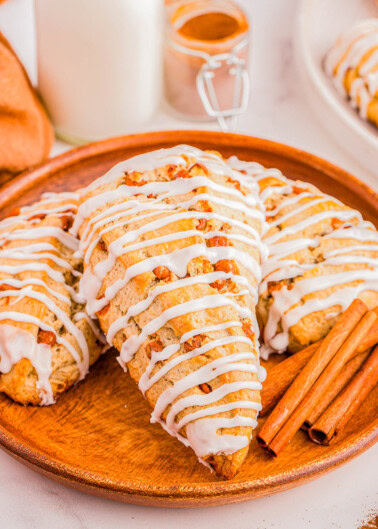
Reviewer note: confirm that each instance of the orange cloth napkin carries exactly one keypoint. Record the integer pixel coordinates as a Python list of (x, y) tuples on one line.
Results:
[(26, 134)]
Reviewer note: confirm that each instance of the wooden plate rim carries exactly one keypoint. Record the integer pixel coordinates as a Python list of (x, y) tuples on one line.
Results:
[(138, 492), (30, 177), (134, 490)]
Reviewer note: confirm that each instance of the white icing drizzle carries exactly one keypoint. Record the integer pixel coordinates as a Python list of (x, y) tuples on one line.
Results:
[(290, 304), (123, 208), (349, 53), (38, 233), (96, 331), (17, 343), (61, 315)]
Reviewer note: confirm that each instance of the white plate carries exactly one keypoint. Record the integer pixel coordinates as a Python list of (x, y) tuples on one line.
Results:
[(319, 24)]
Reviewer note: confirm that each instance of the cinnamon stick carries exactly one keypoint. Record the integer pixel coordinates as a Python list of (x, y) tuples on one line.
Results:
[(333, 420), (315, 366), (338, 384), (312, 397), (282, 375)]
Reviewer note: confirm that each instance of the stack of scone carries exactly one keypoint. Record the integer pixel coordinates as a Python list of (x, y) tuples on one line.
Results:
[(352, 64), (174, 246)]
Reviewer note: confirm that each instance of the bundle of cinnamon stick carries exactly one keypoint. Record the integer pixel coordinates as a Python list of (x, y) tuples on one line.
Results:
[(320, 388)]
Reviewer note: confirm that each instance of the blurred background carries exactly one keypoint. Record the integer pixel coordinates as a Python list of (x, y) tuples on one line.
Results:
[(98, 79)]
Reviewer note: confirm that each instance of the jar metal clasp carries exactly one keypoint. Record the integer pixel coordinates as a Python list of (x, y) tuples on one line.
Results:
[(205, 85)]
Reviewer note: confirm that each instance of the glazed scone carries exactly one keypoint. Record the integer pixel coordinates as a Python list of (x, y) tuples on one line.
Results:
[(352, 63), (322, 255), (172, 250), (47, 341)]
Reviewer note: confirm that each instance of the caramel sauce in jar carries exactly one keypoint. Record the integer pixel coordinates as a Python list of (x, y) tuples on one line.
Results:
[(204, 40)]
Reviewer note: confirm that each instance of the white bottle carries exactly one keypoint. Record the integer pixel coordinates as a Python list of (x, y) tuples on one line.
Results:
[(99, 65)]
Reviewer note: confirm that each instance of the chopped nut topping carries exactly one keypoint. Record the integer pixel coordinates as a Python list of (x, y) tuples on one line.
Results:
[(129, 180), (200, 167), (194, 343), (225, 227), (247, 329), (235, 183), (46, 337), (226, 265), (171, 168), (218, 284), (67, 221), (205, 387), (202, 223), (161, 272), (218, 241), (202, 205), (336, 223), (181, 173), (102, 246), (152, 347), (274, 285)]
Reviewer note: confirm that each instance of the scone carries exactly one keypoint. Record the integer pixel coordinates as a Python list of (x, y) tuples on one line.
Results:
[(47, 341), (171, 246), (352, 63), (322, 255)]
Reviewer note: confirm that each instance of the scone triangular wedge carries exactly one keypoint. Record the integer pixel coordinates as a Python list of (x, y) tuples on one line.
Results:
[(322, 256), (172, 250), (47, 341)]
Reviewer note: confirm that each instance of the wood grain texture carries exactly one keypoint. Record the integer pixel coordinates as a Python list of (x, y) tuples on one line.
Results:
[(89, 440)]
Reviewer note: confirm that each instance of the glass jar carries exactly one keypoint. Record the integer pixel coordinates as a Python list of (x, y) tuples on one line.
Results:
[(206, 55)]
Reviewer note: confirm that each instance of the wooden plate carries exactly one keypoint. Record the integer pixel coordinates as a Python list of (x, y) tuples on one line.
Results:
[(97, 437)]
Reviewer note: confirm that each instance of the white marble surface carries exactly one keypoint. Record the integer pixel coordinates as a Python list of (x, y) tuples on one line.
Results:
[(341, 500)]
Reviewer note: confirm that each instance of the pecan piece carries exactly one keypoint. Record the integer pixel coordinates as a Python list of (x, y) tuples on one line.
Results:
[(171, 168), (205, 387), (161, 272), (336, 223), (181, 173), (46, 337), (202, 205), (235, 183), (202, 223), (152, 347), (226, 265), (274, 285), (225, 227), (67, 221), (194, 343), (218, 241), (199, 167), (129, 180), (102, 246), (247, 329), (219, 284)]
